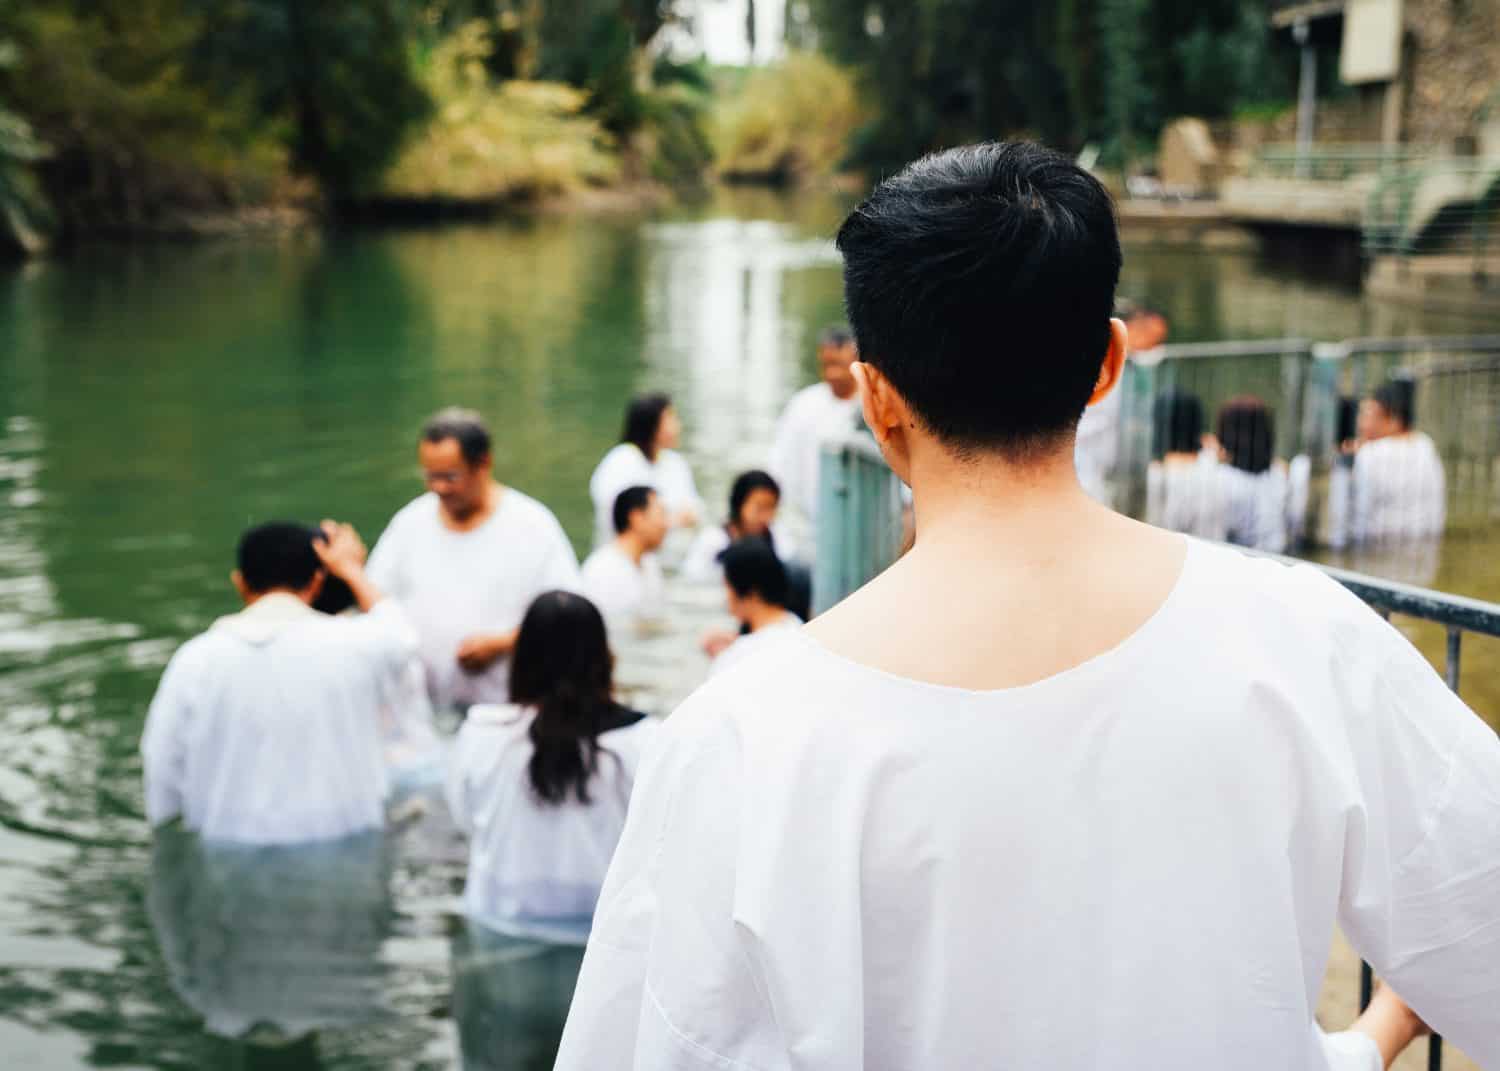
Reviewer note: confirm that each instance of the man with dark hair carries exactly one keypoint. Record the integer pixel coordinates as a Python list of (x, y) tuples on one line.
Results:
[(466, 559), (757, 590), (623, 577), (1049, 744), (826, 410), (1398, 485), (264, 729)]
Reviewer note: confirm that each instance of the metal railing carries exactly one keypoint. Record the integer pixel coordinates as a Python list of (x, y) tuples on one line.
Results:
[(1444, 206), (1333, 163), (860, 526)]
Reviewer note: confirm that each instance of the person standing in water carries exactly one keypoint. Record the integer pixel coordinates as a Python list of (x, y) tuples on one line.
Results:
[(754, 498), (540, 783), (466, 559), (1400, 492), (623, 577), (826, 410), (265, 729), (1048, 744), (646, 456)]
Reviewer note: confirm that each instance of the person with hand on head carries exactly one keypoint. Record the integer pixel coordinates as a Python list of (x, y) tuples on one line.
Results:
[(623, 577), (829, 409), (264, 728), (466, 559), (646, 456), (1049, 743)]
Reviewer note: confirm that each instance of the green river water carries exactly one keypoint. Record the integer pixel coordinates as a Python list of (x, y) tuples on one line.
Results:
[(155, 400)]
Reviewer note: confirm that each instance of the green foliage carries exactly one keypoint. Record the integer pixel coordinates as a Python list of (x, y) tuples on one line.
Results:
[(1111, 71), (23, 212), (337, 73), (788, 122), (492, 142), (105, 85)]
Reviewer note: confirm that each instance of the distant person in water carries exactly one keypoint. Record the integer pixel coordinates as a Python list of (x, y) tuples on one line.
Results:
[(755, 584), (264, 729), (466, 559), (1048, 744), (623, 577), (1183, 490), (646, 456), (541, 783), (754, 499), (1265, 498), (829, 409), (1097, 444), (1399, 489)]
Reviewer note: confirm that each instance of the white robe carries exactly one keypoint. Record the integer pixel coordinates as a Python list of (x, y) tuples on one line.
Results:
[(752, 642), (625, 592), (813, 416), (625, 466), (1399, 490), (266, 728), (701, 563), (1135, 863), (1187, 496), (454, 585), (535, 869)]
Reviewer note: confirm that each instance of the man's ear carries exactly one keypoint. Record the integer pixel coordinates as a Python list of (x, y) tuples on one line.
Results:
[(237, 578), (887, 416), (1113, 366)]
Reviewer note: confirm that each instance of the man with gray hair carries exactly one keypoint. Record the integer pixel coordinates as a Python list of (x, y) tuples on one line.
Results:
[(466, 559)]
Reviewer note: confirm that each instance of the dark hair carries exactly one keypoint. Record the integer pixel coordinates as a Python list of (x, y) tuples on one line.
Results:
[(1398, 397), (981, 281), (1348, 420), (751, 567), (643, 420), (1247, 433), (278, 555), (563, 668), (463, 425), (1176, 424), (745, 484), (837, 335), (630, 501)]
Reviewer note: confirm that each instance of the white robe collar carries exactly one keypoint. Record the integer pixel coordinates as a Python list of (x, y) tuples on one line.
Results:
[(265, 618)]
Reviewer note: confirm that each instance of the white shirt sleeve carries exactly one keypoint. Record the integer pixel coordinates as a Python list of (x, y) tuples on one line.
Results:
[(1421, 895), (164, 744), (387, 637), (384, 565), (668, 974)]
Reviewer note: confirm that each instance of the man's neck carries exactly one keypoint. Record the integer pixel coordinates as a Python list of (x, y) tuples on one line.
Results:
[(759, 615), (488, 500), (253, 597), (632, 546)]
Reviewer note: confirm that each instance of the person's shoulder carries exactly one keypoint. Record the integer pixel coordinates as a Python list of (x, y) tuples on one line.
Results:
[(813, 394), (201, 651), (494, 723), (1273, 595), (528, 509), (419, 512), (751, 695), (603, 559)]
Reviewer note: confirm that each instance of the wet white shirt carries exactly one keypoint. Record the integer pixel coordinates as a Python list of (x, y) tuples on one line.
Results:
[(1138, 862), (751, 642), (1399, 490), (624, 466), (1187, 496), (456, 584), (625, 591), (813, 416), (535, 869), (266, 728)]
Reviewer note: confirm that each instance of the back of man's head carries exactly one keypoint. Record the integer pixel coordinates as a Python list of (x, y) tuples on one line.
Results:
[(628, 502), (278, 555), (751, 567), (1398, 397), (980, 281), (464, 426)]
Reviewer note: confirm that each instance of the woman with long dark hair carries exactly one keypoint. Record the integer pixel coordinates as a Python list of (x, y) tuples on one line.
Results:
[(646, 456), (541, 784)]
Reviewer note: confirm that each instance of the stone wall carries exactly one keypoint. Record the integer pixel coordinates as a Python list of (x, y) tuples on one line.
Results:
[(1453, 68)]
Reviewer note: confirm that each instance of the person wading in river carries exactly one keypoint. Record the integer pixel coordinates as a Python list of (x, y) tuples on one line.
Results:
[(466, 559), (1057, 789)]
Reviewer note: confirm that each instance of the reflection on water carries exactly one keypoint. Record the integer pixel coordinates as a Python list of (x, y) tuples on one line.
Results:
[(154, 401)]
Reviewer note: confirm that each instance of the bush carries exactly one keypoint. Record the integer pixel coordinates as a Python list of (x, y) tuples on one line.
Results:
[(489, 142), (788, 123)]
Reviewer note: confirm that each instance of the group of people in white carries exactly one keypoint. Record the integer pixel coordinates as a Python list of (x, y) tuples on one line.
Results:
[(1386, 488), (298, 719), (1048, 743)]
